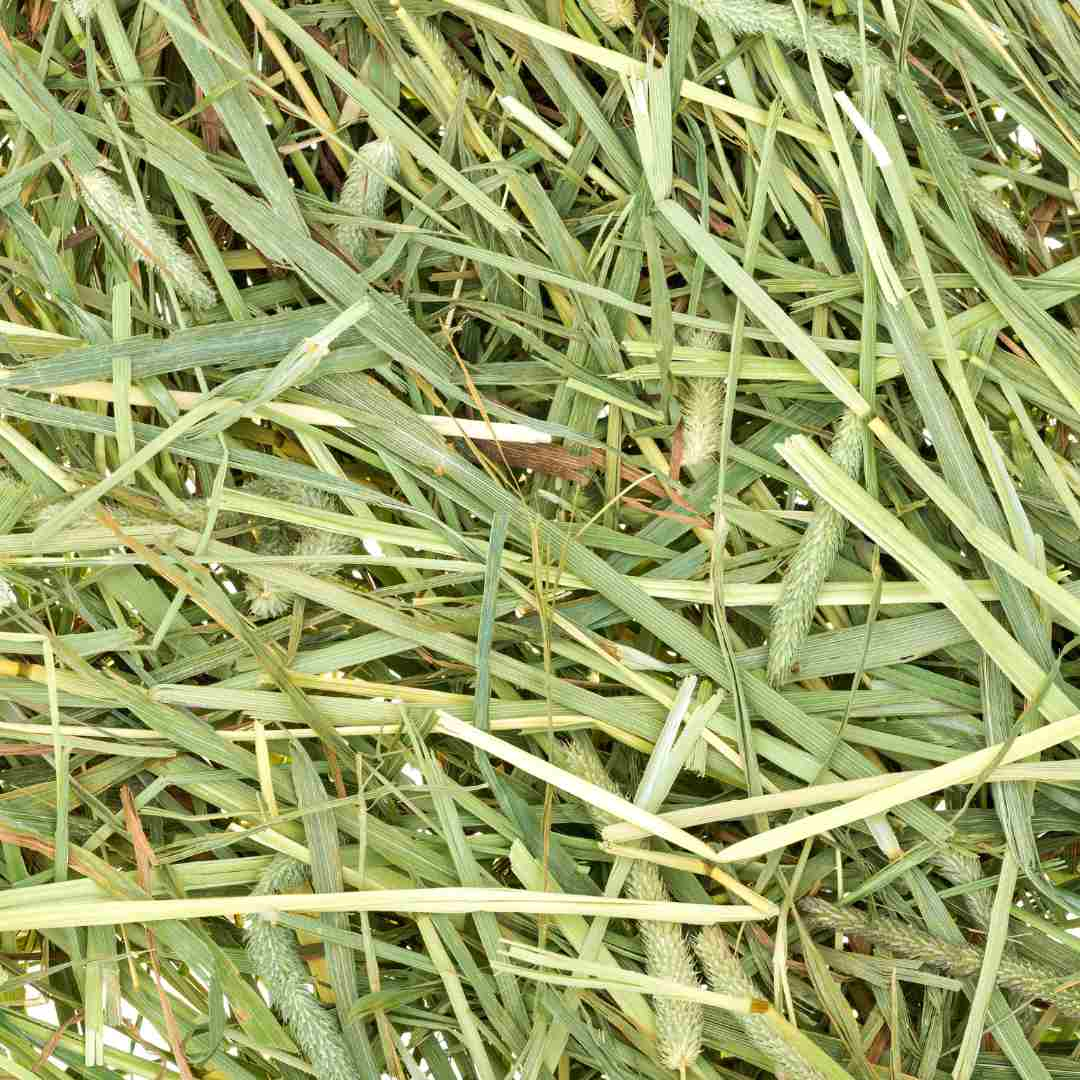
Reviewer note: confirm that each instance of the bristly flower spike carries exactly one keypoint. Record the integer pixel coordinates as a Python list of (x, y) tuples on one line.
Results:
[(144, 237), (364, 192), (702, 403), (615, 13), (679, 1023), (275, 955), (812, 562)]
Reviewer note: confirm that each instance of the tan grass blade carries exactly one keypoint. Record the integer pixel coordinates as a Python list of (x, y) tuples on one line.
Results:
[(962, 771), (573, 785), (435, 901)]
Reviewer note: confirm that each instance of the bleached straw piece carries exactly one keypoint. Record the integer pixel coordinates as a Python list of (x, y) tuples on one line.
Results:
[(961, 771), (573, 785), (310, 414), (435, 901)]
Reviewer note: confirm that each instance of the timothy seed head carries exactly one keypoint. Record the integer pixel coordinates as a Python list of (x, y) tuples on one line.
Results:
[(812, 563), (1033, 981), (703, 415), (982, 202), (275, 955), (364, 191), (679, 1023), (462, 76), (615, 13), (646, 883), (843, 45), (584, 762), (1015, 973), (282, 874), (144, 237), (726, 976), (742, 17), (846, 449), (898, 937), (960, 868)]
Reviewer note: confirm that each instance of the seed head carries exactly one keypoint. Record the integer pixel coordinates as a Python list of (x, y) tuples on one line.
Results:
[(726, 976), (743, 17), (463, 78), (679, 1022), (315, 547), (144, 237), (615, 13), (898, 937), (812, 563), (364, 192), (274, 954), (584, 762), (960, 868), (703, 417)]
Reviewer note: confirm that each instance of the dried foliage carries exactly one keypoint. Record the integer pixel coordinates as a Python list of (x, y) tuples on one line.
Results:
[(539, 540)]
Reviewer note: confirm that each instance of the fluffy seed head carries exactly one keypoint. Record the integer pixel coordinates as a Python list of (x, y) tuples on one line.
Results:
[(144, 237), (7, 595), (314, 546), (83, 8), (703, 417), (678, 1022), (464, 79), (319, 545), (291, 491), (1034, 982), (1031, 980), (742, 17), (282, 874), (615, 13), (846, 449), (960, 868), (267, 601), (364, 191)]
